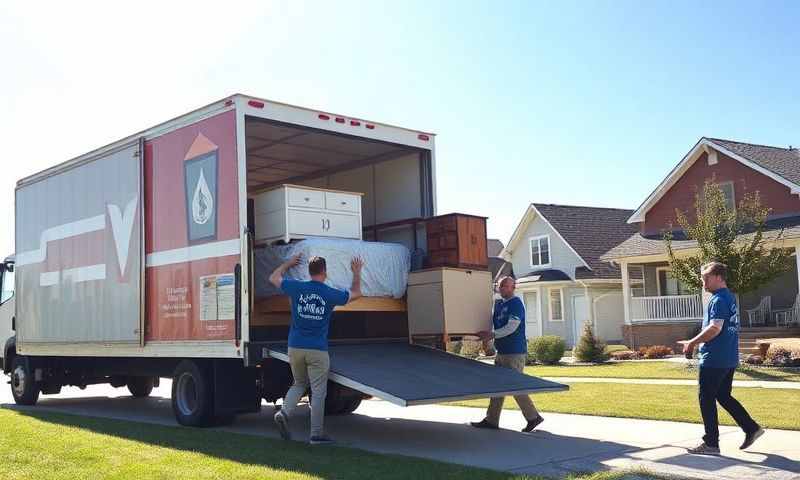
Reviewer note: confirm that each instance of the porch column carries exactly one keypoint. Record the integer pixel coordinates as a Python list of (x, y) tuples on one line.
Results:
[(797, 263), (626, 292)]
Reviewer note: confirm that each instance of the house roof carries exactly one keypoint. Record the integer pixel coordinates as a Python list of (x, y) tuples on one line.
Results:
[(638, 245), (588, 231), (779, 164), (494, 247), (500, 268), (549, 275)]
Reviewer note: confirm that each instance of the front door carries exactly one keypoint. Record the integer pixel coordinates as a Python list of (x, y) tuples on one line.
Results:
[(580, 315), (533, 323)]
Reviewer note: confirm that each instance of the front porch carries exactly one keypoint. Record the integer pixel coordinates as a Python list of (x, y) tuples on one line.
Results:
[(660, 310)]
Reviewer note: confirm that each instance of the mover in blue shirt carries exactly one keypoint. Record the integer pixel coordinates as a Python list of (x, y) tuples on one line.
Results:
[(508, 322), (718, 358), (312, 307)]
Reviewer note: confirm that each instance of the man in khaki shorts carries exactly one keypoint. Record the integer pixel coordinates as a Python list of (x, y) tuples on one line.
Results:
[(312, 306), (508, 320)]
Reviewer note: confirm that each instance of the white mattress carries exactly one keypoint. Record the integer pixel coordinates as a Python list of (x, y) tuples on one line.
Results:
[(385, 272)]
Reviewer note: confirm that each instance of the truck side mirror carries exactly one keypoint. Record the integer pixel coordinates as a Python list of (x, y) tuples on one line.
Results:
[(9, 267)]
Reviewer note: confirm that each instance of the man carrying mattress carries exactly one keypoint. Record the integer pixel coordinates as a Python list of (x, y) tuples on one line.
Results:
[(312, 306)]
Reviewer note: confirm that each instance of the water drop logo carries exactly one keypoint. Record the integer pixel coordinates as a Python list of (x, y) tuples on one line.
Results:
[(202, 201)]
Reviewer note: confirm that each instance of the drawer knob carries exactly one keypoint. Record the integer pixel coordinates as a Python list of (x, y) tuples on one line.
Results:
[(344, 203), (307, 199)]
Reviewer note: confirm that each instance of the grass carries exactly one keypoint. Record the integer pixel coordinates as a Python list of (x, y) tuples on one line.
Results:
[(772, 408), (56, 446), (663, 370)]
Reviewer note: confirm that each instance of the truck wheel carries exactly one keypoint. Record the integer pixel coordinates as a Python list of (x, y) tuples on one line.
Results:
[(192, 395), (341, 400), (140, 387), (23, 386)]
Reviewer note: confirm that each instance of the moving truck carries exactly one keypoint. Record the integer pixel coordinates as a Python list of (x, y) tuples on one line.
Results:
[(135, 262)]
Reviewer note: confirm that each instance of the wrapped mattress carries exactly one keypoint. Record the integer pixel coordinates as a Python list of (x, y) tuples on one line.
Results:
[(385, 272)]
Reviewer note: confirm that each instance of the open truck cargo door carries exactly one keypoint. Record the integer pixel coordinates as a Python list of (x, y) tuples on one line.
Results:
[(408, 375)]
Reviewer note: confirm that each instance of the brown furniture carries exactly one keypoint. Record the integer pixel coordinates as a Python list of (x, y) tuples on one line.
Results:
[(457, 240), (444, 302)]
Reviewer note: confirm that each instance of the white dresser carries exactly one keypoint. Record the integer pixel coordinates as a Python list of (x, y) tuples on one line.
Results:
[(294, 212)]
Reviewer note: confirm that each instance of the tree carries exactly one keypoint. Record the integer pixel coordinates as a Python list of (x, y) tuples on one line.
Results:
[(589, 347), (733, 236)]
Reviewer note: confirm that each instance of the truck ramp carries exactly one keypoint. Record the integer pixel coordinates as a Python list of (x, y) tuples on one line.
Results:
[(409, 375)]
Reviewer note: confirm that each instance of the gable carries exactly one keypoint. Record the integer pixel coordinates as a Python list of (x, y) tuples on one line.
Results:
[(681, 195), (780, 165), (562, 257)]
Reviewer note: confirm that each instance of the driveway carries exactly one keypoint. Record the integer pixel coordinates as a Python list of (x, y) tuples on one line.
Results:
[(565, 443)]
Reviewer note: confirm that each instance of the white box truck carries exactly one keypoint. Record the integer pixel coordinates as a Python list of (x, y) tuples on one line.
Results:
[(134, 262)]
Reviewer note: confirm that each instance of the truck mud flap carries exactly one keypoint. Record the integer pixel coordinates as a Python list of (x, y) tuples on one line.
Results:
[(409, 375)]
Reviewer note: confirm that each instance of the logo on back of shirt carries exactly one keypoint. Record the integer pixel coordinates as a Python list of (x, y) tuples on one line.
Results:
[(311, 306)]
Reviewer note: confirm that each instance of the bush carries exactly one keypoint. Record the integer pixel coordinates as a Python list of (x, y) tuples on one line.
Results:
[(754, 360), (454, 347), (547, 349), (656, 351), (590, 348), (783, 355), (470, 348), (625, 355)]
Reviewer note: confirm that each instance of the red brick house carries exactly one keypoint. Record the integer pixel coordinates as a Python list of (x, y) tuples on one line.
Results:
[(658, 308)]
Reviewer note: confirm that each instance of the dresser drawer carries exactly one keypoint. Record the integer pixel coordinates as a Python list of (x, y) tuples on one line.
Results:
[(343, 202), (306, 198), (324, 224)]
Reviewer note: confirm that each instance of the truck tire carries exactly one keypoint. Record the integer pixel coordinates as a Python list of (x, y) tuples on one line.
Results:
[(140, 387), (192, 395), (341, 400), (23, 386)]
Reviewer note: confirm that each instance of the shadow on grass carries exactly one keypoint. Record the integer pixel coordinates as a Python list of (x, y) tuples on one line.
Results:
[(771, 375)]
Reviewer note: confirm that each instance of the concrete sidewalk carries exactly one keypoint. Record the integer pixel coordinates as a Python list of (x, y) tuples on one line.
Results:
[(565, 443), (656, 381)]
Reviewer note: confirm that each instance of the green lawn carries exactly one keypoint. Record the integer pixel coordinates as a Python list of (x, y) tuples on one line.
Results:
[(664, 370), (55, 446), (773, 408)]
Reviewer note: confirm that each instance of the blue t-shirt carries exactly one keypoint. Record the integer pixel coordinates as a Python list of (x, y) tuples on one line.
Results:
[(504, 310), (312, 306), (721, 351)]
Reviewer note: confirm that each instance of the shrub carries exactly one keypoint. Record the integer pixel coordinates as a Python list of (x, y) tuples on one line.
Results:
[(625, 355), (656, 351), (616, 348), (754, 360), (470, 348), (547, 349), (783, 355), (590, 348), (454, 347)]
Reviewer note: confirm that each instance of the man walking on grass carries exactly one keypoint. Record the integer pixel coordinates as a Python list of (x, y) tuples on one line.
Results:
[(508, 320), (312, 306), (718, 358)]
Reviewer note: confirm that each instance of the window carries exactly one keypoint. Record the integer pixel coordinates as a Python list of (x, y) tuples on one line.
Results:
[(669, 285), (636, 280), (730, 199), (556, 305), (540, 251), (7, 286)]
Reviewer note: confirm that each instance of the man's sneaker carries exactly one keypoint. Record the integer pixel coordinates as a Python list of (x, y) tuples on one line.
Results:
[(703, 449), (283, 425), (484, 424), (533, 424), (750, 438), (321, 440)]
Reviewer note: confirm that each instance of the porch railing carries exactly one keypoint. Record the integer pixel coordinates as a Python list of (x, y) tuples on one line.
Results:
[(666, 308)]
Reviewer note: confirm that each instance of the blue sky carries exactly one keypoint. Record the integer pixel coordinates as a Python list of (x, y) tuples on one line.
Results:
[(585, 103)]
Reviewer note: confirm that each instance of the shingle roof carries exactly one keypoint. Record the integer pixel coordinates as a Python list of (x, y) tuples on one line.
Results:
[(549, 275), (500, 267), (638, 245), (591, 232), (494, 247), (781, 161)]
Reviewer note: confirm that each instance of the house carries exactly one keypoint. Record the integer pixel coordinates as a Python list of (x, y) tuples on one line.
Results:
[(555, 253), (658, 308), (498, 266)]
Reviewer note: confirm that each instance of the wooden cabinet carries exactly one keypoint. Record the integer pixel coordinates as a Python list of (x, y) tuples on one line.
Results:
[(457, 240), (449, 301), (292, 212)]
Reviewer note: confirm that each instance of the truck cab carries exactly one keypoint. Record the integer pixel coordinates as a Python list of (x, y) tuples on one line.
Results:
[(6, 311)]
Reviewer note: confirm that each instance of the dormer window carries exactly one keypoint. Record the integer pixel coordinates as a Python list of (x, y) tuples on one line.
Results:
[(540, 251)]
